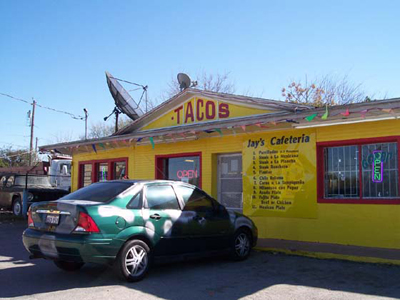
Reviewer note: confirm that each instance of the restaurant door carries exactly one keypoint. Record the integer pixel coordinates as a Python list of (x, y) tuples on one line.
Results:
[(230, 182)]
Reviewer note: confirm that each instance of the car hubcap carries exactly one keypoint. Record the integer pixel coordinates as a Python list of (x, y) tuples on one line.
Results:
[(17, 208), (136, 260), (242, 244)]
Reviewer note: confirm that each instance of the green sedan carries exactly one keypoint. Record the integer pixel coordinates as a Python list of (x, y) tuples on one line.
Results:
[(129, 224)]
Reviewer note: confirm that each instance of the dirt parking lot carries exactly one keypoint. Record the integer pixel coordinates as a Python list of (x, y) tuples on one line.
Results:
[(263, 276)]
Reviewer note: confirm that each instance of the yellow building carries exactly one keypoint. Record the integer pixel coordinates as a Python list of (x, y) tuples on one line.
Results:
[(316, 182)]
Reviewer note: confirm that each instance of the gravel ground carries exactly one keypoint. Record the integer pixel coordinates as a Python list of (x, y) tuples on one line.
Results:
[(263, 276)]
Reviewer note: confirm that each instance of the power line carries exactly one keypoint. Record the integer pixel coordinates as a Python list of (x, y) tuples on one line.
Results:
[(15, 98), (11, 144), (45, 107), (62, 112)]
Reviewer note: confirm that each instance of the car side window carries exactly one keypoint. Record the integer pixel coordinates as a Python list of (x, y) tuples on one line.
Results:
[(136, 201), (161, 197), (185, 192), (199, 202)]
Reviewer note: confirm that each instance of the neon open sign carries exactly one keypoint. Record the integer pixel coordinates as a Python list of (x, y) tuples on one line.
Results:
[(377, 166), (186, 174)]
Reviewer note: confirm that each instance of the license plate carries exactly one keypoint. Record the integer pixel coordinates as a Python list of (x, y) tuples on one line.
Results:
[(52, 219)]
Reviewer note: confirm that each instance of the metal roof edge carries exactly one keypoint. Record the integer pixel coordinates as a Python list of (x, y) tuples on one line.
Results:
[(245, 120)]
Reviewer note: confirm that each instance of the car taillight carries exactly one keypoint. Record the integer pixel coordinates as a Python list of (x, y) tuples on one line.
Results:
[(86, 224), (30, 220)]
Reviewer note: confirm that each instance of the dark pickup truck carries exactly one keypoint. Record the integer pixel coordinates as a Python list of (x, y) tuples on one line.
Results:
[(38, 187)]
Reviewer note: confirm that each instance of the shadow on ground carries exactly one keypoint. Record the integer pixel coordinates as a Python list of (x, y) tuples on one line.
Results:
[(214, 278)]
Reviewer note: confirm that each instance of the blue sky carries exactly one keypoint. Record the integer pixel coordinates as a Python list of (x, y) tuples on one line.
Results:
[(58, 51)]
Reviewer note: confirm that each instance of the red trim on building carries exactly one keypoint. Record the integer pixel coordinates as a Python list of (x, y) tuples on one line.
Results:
[(359, 143), (159, 168), (110, 163)]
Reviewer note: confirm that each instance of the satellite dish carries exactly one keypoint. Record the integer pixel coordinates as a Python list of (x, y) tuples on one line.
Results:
[(184, 81), (123, 101)]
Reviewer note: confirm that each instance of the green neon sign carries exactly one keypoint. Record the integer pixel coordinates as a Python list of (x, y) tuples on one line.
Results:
[(377, 166)]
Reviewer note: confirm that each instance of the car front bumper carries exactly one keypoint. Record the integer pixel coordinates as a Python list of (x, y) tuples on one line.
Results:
[(69, 247)]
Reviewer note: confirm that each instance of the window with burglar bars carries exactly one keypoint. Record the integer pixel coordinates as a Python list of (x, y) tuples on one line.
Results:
[(349, 171), (341, 172)]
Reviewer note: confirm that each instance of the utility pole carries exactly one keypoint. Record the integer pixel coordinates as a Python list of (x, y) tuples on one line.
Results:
[(86, 116), (36, 149), (32, 125)]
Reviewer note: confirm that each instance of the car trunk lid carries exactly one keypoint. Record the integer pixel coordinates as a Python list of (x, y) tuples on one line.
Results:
[(59, 216)]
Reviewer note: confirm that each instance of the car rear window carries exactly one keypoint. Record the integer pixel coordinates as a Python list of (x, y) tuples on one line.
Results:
[(99, 192)]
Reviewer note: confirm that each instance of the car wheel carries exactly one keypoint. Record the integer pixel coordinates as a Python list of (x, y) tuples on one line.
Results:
[(68, 266), (241, 245), (17, 207), (133, 261)]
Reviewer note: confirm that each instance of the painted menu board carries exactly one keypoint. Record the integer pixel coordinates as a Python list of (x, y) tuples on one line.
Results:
[(279, 174)]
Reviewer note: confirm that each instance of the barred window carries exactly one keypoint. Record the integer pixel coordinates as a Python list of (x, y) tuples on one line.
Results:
[(363, 171), (341, 172)]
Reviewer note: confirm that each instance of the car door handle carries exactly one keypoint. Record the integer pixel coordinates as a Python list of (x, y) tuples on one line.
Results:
[(155, 217)]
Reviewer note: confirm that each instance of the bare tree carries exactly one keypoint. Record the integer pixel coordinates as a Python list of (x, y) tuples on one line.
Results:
[(327, 90), (15, 158), (102, 129), (63, 137)]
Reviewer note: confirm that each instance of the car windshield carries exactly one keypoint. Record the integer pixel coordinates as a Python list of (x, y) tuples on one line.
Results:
[(32, 181), (99, 192)]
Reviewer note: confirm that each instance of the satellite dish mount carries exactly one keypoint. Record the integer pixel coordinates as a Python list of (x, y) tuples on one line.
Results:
[(117, 112)]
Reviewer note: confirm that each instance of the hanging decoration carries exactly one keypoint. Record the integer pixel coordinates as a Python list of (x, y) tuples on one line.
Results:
[(388, 110), (152, 141), (326, 114), (346, 114), (219, 131), (310, 118), (209, 131), (172, 137), (363, 113), (296, 120)]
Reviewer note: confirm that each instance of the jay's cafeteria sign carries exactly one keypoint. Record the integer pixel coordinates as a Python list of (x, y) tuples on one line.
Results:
[(279, 176)]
